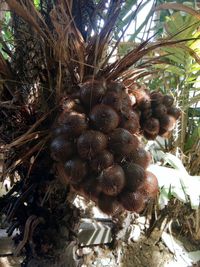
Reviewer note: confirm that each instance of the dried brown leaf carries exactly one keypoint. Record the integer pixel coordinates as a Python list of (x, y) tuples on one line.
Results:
[(69, 42), (29, 134), (132, 57)]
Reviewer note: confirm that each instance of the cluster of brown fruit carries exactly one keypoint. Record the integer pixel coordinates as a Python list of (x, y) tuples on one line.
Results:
[(96, 145), (158, 115)]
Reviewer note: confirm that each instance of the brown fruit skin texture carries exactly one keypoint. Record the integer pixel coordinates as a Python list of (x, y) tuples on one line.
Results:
[(151, 126), (74, 123), (120, 101), (167, 122), (126, 100), (114, 100), (145, 104), (135, 176), (156, 98), (150, 186), (60, 130), (61, 149), (126, 105), (141, 157), (90, 143), (116, 87), (168, 100), (112, 180), (102, 161), (132, 201), (122, 142), (132, 123), (104, 118), (174, 112), (92, 92), (107, 204), (76, 170), (159, 111)]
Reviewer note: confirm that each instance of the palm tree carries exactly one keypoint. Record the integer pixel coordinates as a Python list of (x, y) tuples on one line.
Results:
[(56, 48)]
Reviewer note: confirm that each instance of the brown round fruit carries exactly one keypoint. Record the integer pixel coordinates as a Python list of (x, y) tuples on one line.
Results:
[(174, 112), (168, 100), (60, 130), (120, 101), (141, 157), (150, 185), (156, 98), (114, 100), (75, 123), (102, 161), (135, 176), (76, 170), (108, 204), (91, 143), (132, 123), (116, 87), (112, 180), (122, 142), (145, 104), (126, 99), (104, 118), (167, 122), (151, 126), (61, 149), (132, 201), (91, 92), (159, 111)]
